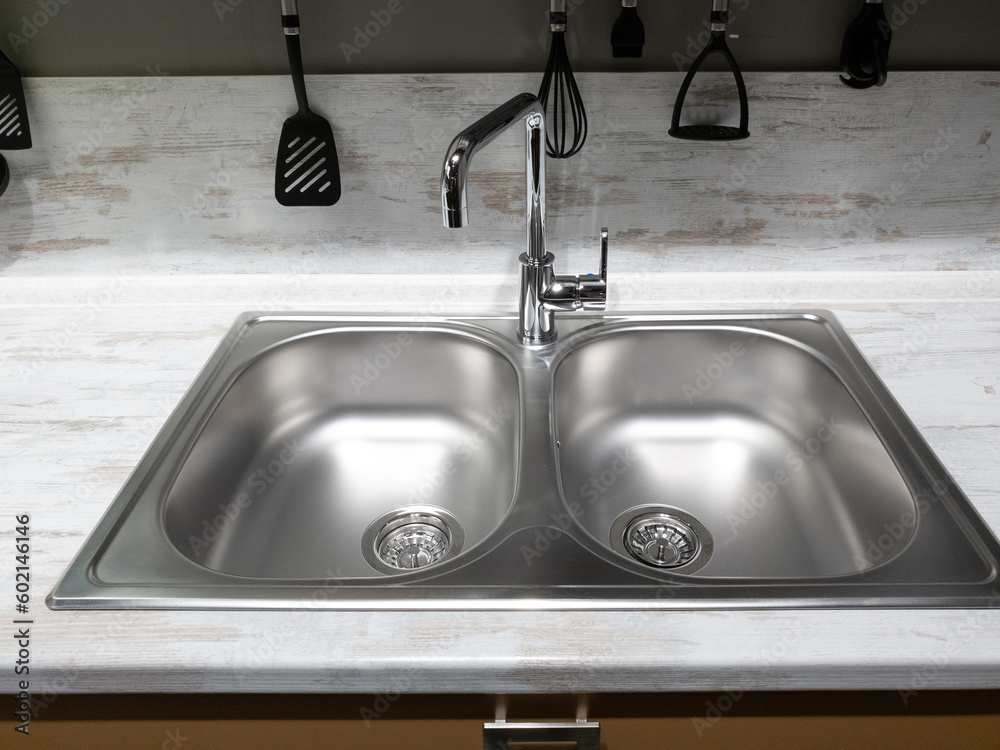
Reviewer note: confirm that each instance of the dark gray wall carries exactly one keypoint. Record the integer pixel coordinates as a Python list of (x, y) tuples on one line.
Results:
[(223, 37)]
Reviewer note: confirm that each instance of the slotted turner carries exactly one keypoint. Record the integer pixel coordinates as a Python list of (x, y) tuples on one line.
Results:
[(307, 173), (14, 131)]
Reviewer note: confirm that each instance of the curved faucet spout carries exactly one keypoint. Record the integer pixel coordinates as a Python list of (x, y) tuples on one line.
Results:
[(455, 173)]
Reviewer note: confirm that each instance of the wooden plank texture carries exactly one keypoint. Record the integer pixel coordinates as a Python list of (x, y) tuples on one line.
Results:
[(175, 175)]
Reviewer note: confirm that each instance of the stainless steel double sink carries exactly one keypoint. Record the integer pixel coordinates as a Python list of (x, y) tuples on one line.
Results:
[(737, 460)]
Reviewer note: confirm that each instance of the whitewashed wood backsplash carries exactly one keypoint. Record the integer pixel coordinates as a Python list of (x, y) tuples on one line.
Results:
[(175, 175)]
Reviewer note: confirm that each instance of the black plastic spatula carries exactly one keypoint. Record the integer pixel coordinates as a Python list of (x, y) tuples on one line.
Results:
[(307, 173), (14, 131)]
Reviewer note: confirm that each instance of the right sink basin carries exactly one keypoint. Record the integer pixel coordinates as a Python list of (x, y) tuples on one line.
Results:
[(725, 452), (761, 451)]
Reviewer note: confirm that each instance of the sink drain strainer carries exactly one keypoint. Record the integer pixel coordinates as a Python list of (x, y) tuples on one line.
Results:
[(662, 538), (412, 538)]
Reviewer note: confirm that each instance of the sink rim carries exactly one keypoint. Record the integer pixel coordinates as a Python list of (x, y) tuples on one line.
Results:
[(79, 586)]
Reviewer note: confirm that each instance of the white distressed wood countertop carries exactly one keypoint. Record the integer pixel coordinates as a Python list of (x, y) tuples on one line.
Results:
[(142, 223)]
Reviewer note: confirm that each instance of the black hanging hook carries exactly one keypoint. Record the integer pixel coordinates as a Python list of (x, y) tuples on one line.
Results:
[(864, 57)]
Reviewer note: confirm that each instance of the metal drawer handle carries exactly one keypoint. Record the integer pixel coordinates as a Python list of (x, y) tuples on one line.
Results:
[(498, 735)]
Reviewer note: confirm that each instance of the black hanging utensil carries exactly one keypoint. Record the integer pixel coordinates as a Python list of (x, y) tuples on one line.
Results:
[(864, 57), (716, 43), (308, 172), (4, 175), (628, 34), (559, 93), (14, 131)]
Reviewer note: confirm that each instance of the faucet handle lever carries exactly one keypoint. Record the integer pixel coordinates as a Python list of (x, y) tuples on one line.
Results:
[(593, 288), (604, 254)]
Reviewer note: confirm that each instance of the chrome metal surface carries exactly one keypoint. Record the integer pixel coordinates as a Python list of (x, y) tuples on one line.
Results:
[(290, 8), (639, 531), (557, 6), (522, 109), (478, 473), (720, 15), (345, 426), (755, 436), (412, 537), (542, 293), (662, 540)]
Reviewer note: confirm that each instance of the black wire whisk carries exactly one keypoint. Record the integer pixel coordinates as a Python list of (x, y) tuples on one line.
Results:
[(566, 118)]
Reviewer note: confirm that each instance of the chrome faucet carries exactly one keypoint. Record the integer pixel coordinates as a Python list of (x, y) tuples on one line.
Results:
[(542, 293)]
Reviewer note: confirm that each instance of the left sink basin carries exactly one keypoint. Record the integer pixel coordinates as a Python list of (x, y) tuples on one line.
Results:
[(333, 435), (313, 451)]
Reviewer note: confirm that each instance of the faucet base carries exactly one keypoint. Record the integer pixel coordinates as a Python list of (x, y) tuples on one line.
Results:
[(537, 323), (527, 340)]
